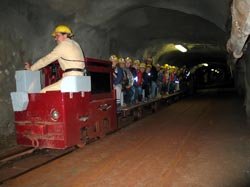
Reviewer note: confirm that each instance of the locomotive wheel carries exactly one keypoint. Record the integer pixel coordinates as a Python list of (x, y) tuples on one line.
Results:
[(81, 145), (103, 128), (84, 138), (102, 133)]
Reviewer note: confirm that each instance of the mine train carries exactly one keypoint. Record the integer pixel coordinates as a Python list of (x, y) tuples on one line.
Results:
[(84, 109)]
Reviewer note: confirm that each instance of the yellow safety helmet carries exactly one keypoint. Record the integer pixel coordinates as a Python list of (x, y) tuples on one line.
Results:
[(137, 62), (62, 29), (128, 60), (121, 61), (149, 66), (113, 58), (142, 65)]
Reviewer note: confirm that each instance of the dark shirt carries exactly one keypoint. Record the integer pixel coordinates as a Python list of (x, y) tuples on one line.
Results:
[(119, 76), (160, 77), (134, 73), (154, 74), (146, 79)]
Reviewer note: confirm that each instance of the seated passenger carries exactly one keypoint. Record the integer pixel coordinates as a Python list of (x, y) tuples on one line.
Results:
[(68, 53)]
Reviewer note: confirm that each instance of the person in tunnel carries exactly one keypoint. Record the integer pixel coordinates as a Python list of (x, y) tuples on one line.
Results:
[(125, 81), (172, 77), (146, 81), (136, 65), (153, 77), (67, 52), (142, 68), (160, 76), (117, 79), (133, 89), (165, 81), (129, 90)]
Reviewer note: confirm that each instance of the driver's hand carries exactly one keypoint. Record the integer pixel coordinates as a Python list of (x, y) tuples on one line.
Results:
[(27, 65)]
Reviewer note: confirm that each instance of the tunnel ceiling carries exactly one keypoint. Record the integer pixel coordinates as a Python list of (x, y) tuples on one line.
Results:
[(144, 27)]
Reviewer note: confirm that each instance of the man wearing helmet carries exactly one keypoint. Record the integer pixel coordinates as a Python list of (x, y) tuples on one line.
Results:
[(117, 80), (68, 53)]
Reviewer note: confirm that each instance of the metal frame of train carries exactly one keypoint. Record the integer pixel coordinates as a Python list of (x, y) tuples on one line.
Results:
[(70, 116)]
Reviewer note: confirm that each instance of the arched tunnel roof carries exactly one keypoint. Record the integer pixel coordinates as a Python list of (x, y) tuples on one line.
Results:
[(141, 28)]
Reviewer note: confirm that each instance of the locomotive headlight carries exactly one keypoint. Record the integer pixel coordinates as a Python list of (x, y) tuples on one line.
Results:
[(54, 114)]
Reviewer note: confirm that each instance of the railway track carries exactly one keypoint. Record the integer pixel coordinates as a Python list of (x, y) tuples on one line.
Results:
[(20, 160)]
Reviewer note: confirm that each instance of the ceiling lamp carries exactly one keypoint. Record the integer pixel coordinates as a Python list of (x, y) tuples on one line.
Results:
[(181, 48)]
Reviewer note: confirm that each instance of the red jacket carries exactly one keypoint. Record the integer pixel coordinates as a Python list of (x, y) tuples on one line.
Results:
[(139, 77)]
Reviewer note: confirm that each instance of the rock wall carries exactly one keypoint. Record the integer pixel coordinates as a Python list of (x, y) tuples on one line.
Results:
[(15, 38), (246, 80)]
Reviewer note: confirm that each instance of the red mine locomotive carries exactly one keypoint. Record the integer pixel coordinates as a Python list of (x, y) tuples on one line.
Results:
[(83, 109)]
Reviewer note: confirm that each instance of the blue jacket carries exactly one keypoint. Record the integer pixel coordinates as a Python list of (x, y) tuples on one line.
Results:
[(119, 76)]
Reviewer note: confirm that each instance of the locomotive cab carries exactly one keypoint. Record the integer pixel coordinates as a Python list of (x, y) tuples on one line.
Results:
[(83, 109)]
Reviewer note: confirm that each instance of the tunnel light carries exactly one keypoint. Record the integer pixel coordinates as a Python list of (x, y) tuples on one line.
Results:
[(205, 64), (181, 48)]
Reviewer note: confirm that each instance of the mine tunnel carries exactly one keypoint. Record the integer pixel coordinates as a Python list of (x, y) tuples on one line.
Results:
[(203, 139)]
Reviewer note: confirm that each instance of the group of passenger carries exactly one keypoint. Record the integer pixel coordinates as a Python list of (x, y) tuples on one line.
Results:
[(136, 81)]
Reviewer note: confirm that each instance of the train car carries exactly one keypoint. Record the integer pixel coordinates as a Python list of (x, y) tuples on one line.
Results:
[(83, 109)]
